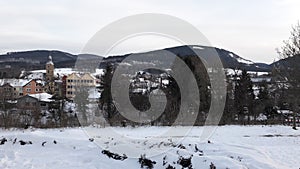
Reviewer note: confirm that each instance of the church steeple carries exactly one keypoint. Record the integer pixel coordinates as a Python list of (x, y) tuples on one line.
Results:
[(50, 75), (49, 69), (50, 60)]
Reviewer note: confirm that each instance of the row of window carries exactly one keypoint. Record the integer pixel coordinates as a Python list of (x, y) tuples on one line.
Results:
[(9, 89), (29, 84), (34, 104), (79, 81), (36, 90)]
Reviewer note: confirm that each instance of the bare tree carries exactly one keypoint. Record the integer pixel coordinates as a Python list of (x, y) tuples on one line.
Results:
[(290, 70), (291, 46)]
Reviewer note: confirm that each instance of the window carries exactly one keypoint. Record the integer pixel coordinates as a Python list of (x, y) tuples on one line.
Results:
[(28, 90)]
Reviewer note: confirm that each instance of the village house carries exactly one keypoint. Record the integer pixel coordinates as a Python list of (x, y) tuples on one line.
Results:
[(6, 92), (18, 87), (75, 81), (33, 87), (34, 102)]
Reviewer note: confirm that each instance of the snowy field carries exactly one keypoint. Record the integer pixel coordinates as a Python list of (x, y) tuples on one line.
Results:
[(234, 147)]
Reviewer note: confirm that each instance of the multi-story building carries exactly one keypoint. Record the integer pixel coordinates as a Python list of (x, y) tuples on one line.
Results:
[(33, 87), (17, 86), (75, 81), (6, 92)]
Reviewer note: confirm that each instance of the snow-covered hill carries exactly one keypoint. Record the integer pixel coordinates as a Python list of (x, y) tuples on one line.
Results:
[(234, 147)]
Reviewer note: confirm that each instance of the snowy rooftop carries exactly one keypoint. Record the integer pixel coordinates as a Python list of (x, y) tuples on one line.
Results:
[(60, 71), (261, 79), (45, 97), (14, 82), (284, 112)]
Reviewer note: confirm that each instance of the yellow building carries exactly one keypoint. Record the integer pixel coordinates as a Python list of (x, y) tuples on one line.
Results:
[(75, 81)]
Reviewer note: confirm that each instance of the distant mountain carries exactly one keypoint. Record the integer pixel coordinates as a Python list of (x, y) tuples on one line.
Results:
[(288, 62), (14, 62), (38, 58), (229, 59)]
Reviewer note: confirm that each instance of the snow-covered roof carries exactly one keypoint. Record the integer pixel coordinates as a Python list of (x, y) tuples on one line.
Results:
[(57, 71), (15, 82), (45, 97), (261, 79), (258, 73), (35, 75), (284, 112)]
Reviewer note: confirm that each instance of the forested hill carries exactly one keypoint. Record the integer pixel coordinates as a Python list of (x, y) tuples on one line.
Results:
[(31, 60)]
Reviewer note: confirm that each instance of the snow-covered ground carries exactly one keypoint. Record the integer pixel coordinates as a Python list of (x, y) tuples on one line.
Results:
[(234, 147)]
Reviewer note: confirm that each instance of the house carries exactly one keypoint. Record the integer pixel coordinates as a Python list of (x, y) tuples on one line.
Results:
[(75, 81), (17, 85), (6, 92), (34, 102), (33, 87)]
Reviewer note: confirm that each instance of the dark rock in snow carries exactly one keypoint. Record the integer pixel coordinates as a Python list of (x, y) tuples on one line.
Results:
[(185, 162), (146, 162), (15, 140), (212, 166), (24, 142), (43, 144), (170, 167), (114, 155), (2, 141)]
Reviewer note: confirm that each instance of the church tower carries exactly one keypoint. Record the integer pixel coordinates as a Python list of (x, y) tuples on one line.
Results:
[(49, 69), (50, 76)]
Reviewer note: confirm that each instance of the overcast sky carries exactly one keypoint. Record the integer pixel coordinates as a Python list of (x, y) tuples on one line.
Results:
[(251, 29)]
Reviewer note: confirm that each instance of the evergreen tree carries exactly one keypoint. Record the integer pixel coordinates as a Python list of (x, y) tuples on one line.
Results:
[(290, 52), (244, 96), (106, 102), (264, 102)]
